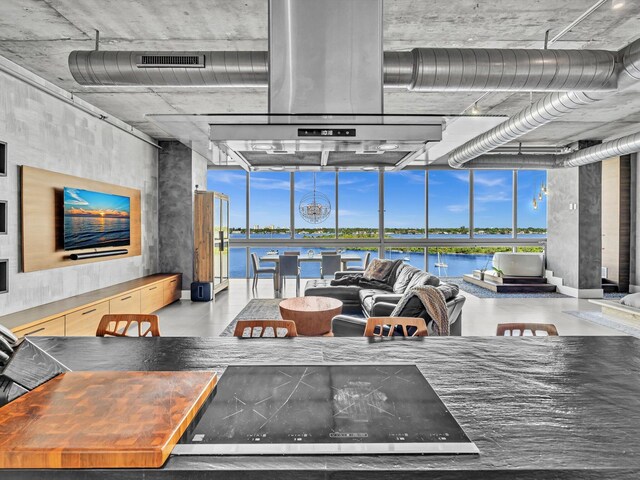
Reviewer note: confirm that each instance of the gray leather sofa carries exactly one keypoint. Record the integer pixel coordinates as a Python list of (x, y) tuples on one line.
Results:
[(366, 302)]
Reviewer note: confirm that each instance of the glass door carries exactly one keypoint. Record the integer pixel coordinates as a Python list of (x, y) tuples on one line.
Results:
[(217, 240)]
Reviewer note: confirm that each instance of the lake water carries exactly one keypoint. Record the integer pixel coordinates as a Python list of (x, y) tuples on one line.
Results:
[(88, 232), (456, 264)]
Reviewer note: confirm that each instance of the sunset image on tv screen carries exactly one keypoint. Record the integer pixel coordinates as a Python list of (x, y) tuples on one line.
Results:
[(94, 219)]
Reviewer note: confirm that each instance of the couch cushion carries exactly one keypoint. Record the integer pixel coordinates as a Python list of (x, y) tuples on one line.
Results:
[(414, 308), (369, 293), (348, 294)]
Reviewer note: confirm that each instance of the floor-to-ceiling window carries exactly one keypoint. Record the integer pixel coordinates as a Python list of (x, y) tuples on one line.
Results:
[(428, 226), (493, 204), (448, 204), (404, 204), (358, 205), (269, 205)]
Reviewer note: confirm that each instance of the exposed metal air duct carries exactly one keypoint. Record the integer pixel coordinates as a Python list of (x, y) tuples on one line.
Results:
[(547, 109), (613, 148), (220, 69), (477, 69), (420, 70), (512, 162)]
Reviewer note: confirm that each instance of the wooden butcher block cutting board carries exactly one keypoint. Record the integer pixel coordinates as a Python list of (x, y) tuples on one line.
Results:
[(101, 419)]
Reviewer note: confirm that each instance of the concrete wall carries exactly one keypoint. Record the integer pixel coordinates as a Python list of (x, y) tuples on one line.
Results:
[(574, 234), (179, 171), (45, 132)]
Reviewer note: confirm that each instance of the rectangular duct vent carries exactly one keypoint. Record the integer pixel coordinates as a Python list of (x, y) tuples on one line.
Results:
[(170, 61)]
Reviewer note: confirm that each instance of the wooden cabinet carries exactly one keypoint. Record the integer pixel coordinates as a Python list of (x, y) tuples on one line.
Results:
[(127, 303), (80, 315), (152, 298), (211, 239), (84, 323), (50, 328), (171, 290)]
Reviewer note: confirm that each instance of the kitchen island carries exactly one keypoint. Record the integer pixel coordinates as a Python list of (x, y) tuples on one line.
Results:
[(556, 407)]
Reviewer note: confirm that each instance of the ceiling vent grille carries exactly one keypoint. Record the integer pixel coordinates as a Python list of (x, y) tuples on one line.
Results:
[(170, 61)]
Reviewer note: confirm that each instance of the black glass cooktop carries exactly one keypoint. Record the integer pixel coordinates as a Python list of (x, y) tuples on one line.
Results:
[(324, 409)]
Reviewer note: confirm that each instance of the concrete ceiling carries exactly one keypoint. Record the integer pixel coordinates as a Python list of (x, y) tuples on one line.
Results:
[(39, 34)]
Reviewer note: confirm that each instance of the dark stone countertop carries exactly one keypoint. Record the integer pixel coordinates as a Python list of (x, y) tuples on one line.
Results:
[(559, 407)]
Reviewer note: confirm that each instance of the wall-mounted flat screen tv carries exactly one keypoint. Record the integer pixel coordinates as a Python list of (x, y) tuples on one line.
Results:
[(94, 219)]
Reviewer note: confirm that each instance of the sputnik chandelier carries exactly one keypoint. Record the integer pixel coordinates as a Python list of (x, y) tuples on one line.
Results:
[(315, 206)]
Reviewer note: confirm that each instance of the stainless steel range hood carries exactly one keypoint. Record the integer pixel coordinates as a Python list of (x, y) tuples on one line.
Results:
[(325, 94)]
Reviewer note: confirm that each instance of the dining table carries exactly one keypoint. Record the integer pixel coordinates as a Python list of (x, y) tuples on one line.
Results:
[(536, 407), (275, 258)]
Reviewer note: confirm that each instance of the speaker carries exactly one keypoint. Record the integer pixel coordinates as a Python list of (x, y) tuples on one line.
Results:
[(201, 291)]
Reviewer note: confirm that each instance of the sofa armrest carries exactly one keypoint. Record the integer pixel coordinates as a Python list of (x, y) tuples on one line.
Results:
[(387, 298), (454, 310), (382, 309), (348, 326), (344, 272)]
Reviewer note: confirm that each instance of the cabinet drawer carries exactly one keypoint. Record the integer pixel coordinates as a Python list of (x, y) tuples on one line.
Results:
[(53, 328), (85, 322), (127, 303), (172, 291), (151, 298)]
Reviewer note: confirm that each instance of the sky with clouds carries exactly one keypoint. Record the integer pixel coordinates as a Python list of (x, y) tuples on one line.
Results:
[(448, 198)]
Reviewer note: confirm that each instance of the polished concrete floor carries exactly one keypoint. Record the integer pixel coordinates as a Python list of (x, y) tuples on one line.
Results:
[(186, 318)]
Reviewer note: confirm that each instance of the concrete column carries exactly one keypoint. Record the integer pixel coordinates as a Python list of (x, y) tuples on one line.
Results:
[(574, 246), (634, 250), (179, 171)]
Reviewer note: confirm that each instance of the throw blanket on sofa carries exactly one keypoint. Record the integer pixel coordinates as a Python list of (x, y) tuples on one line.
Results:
[(434, 303), (360, 281)]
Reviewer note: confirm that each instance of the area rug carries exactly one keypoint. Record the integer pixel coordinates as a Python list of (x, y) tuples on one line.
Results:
[(605, 320), (484, 293), (256, 309)]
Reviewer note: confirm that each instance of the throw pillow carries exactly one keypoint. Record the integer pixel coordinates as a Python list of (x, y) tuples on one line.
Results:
[(423, 278), (449, 290), (379, 270), (631, 300)]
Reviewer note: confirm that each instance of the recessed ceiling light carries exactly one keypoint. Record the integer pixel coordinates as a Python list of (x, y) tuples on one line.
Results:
[(369, 169), (387, 146), (262, 146), (276, 169), (617, 4)]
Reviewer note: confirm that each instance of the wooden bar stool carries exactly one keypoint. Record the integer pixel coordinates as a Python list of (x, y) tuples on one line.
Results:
[(119, 325), (508, 329), (376, 326), (265, 329)]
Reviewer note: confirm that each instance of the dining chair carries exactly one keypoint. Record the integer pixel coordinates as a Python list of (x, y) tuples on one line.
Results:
[(363, 266), (289, 267), (292, 253), (392, 326), (118, 325), (257, 270), (526, 330), (265, 329), (330, 265), (329, 252)]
